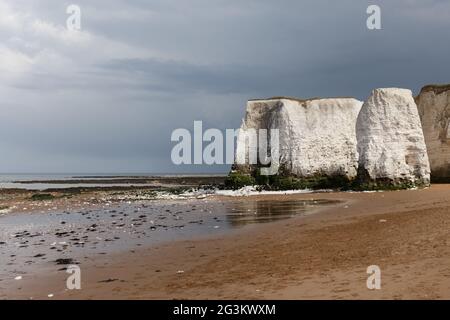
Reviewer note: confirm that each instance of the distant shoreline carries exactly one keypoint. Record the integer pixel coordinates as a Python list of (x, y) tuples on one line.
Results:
[(182, 180), (54, 184)]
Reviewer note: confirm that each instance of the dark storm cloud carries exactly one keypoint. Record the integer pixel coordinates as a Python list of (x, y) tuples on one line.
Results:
[(107, 99), (183, 77)]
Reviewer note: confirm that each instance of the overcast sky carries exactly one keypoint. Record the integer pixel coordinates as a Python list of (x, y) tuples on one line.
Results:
[(106, 98)]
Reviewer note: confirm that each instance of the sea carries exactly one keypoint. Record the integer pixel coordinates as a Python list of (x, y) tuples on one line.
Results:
[(28, 181)]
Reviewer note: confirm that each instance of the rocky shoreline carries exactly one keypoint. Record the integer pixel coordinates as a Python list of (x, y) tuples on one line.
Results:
[(154, 180)]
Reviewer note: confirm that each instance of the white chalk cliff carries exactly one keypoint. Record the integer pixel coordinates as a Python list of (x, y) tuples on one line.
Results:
[(434, 110), (391, 144), (316, 136)]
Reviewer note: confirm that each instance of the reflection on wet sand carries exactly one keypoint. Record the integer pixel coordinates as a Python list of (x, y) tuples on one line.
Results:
[(261, 211)]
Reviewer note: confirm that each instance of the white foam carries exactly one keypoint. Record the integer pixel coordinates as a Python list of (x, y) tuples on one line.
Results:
[(253, 191)]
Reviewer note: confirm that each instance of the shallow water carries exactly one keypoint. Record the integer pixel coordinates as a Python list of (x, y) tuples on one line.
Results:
[(67, 180), (33, 240), (20, 181), (261, 211)]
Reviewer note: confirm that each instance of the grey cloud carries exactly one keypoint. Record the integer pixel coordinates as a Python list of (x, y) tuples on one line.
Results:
[(148, 67)]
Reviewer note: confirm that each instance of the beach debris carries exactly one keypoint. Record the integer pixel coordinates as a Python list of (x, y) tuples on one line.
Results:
[(382, 220), (50, 295), (5, 209), (18, 278), (108, 280), (65, 261)]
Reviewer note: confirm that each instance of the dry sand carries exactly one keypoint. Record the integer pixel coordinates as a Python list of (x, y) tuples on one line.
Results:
[(322, 256)]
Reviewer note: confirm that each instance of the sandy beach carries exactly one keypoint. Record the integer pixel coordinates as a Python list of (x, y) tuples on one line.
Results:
[(224, 158), (320, 255)]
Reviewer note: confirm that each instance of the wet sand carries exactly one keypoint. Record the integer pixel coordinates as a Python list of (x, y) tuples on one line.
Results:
[(318, 256), (47, 236)]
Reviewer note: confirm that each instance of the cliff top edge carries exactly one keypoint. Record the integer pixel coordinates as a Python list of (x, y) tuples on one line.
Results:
[(299, 99), (436, 88)]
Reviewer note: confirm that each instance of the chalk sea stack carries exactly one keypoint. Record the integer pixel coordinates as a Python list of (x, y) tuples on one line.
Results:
[(391, 145), (317, 139), (434, 110)]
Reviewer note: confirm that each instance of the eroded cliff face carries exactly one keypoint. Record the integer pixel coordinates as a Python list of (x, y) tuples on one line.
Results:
[(434, 110), (316, 137), (391, 144)]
